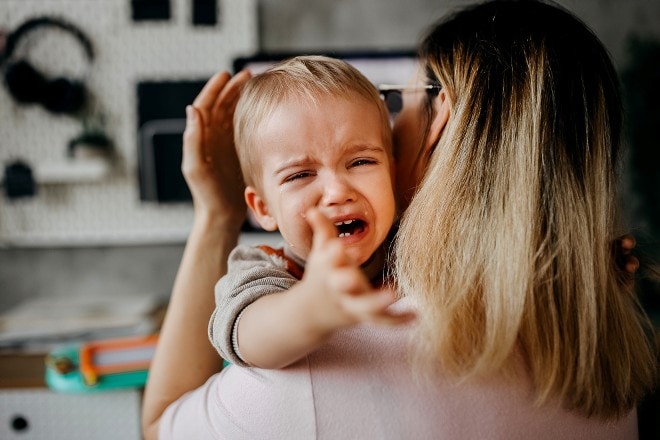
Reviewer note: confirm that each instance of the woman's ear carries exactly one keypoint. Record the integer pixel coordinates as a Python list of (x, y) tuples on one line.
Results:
[(259, 208), (442, 107)]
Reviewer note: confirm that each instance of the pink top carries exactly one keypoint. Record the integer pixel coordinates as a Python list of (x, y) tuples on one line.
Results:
[(360, 386)]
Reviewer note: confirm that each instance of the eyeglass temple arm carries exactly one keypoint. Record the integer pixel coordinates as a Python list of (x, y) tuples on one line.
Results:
[(388, 87)]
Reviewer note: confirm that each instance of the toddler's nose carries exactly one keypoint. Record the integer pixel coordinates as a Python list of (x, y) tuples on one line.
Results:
[(337, 190)]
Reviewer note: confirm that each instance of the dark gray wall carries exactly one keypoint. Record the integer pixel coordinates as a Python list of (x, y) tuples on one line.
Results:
[(356, 24)]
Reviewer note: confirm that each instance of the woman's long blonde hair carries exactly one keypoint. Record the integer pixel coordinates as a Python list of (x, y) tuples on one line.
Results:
[(507, 244)]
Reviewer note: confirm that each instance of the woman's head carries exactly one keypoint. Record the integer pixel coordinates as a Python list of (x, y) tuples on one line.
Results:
[(507, 240), (504, 59)]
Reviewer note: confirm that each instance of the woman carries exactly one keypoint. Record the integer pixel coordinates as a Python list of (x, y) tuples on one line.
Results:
[(503, 253), (527, 165)]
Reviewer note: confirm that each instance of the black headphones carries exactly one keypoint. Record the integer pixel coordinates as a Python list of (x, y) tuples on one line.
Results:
[(27, 85)]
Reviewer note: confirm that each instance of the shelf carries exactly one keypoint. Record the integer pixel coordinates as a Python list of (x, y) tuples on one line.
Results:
[(71, 171)]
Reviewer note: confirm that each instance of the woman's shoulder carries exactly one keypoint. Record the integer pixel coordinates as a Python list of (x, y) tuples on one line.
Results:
[(362, 384), (365, 377), (246, 403)]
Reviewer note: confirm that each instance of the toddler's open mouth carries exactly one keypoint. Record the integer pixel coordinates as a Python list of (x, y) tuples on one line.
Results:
[(347, 228)]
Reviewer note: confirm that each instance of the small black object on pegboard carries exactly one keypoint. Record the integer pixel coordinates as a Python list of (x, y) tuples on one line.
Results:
[(150, 10), (204, 12), (18, 180)]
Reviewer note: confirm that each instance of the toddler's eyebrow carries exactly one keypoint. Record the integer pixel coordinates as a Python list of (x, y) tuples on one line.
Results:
[(299, 162), (304, 161), (366, 147)]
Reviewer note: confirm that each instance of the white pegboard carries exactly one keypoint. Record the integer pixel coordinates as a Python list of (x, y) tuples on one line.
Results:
[(108, 211), (38, 414)]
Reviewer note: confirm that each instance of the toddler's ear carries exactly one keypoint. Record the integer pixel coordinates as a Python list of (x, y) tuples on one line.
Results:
[(259, 208)]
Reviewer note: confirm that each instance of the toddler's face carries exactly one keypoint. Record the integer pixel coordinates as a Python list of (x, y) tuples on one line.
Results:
[(332, 156)]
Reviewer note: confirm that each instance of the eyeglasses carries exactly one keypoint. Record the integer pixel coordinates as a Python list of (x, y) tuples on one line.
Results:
[(393, 94)]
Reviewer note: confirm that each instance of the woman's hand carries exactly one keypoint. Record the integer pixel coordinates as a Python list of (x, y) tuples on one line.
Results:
[(210, 167), (210, 164), (626, 263)]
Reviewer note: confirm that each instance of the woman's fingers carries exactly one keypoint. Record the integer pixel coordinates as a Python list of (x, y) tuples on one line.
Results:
[(206, 98), (632, 264), (217, 100), (628, 242), (225, 104), (192, 141), (622, 249)]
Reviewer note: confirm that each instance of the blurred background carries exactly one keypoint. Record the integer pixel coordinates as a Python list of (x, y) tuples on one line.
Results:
[(86, 207), (94, 212)]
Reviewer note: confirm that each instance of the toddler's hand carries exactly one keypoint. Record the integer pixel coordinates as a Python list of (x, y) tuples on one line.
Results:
[(342, 291)]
